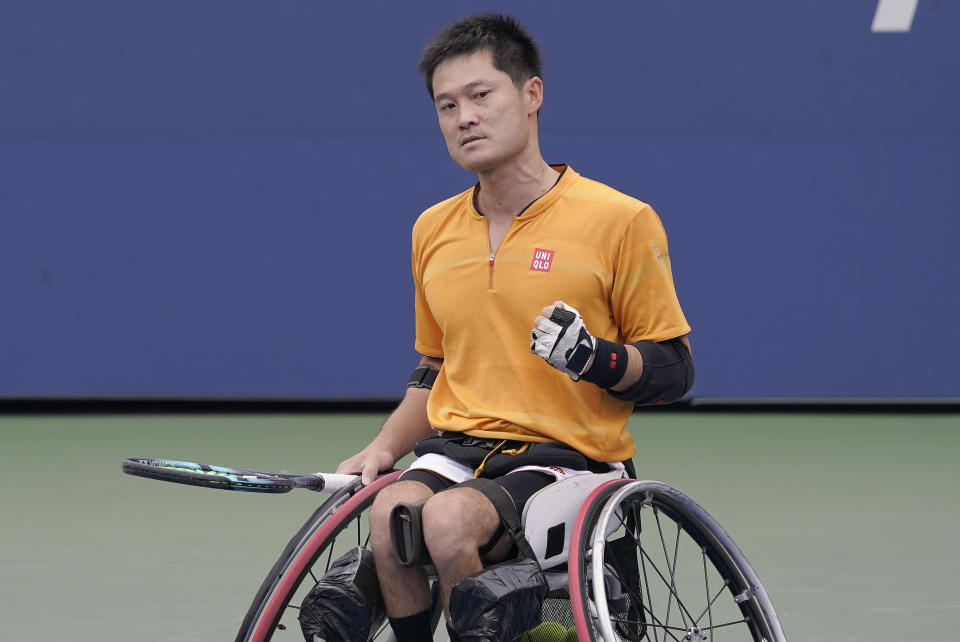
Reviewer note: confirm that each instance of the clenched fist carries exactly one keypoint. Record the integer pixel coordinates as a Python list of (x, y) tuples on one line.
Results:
[(560, 337)]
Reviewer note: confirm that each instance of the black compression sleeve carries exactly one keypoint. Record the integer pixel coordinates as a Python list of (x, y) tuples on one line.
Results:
[(667, 373)]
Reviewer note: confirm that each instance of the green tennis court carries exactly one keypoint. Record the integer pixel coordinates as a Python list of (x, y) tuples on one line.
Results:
[(850, 519)]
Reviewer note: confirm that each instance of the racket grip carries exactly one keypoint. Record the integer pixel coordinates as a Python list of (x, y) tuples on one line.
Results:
[(332, 482)]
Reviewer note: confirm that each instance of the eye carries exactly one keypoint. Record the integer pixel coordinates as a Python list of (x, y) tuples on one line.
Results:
[(446, 106), (481, 94)]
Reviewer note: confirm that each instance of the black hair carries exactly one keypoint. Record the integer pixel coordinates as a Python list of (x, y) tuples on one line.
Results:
[(514, 50)]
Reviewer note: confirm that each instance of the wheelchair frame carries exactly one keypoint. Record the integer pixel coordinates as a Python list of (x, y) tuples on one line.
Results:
[(607, 577)]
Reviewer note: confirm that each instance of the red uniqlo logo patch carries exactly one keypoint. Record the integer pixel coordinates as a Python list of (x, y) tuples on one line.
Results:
[(542, 260)]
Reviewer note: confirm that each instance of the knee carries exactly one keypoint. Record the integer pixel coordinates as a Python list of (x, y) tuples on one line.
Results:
[(383, 503), (455, 522)]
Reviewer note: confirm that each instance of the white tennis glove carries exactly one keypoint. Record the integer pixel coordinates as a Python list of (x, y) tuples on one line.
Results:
[(563, 340)]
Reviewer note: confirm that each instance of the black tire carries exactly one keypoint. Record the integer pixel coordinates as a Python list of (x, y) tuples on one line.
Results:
[(338, 525), (663, 569)]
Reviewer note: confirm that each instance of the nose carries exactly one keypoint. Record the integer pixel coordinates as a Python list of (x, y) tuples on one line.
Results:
[(467, 117)]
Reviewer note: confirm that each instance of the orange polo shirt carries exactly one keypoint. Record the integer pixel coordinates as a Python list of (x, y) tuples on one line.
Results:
[(583, 243)]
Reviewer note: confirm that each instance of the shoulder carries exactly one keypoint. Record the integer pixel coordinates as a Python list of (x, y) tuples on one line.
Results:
[(434, 217), (607, 202), (619, 219)]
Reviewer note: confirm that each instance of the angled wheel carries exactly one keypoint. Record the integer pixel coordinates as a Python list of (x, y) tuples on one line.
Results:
[(653, 565), (339, 524)]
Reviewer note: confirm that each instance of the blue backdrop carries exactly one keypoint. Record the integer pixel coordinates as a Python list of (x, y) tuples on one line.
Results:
[(215, 197)]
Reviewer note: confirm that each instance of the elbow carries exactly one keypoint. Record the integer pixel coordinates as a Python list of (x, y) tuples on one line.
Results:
[(667, 375)]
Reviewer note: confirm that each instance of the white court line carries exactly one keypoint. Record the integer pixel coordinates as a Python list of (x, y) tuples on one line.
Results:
[(894, 15)]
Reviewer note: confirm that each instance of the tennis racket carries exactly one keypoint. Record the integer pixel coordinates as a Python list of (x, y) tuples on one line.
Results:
[(193, 474)]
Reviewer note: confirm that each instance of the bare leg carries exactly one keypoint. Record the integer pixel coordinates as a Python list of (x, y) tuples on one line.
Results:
[(405, 590), (456, 523)]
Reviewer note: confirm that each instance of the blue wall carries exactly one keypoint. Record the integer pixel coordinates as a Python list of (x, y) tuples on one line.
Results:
[(215, 198)]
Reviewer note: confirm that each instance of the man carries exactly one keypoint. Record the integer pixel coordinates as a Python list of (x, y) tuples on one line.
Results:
[(545, 308)]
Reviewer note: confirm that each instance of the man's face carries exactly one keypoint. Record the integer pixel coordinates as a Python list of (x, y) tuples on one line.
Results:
[(484, 118)]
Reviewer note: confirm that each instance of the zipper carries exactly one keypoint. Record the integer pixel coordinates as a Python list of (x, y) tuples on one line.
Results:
[(486, 224), (491, 259)]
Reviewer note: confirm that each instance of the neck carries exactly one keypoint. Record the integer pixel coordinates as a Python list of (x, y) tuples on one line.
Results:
[(506, 190)]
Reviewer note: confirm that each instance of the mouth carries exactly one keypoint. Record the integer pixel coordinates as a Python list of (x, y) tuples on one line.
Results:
[(469, 139)]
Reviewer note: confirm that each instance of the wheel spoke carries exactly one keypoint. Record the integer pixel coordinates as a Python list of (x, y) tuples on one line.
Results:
[(661, 563), (333, 543), (725, 624), (673, 572), (646, 579), (658, 624), (655, 626), (706, 587), (710, 602), (672, 569), (670, 587), (635, 597)]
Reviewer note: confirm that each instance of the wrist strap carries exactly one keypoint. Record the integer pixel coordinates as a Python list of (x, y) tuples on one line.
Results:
[(609, 364), (423, 377)]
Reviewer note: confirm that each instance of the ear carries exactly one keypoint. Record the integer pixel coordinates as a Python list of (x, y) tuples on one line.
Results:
[(533, 93)]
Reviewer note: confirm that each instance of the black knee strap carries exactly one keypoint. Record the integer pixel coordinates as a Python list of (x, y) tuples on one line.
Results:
[(506, 510), (406, 533), (492, 542)]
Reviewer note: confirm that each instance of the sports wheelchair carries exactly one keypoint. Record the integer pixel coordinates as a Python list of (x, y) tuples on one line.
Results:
[(624, 560)]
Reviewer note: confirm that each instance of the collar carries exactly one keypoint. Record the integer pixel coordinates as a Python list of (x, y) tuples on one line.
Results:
[(566, 177)]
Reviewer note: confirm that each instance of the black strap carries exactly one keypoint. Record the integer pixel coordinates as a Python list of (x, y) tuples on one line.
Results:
[(509, 517), (493, 541), (609, 364), (423, 377)]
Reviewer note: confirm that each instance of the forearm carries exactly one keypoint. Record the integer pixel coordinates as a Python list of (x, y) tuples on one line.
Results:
[(634, 369), (406, 426)]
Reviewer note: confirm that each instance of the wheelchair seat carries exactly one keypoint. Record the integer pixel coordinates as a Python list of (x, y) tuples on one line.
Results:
[(549, 515)]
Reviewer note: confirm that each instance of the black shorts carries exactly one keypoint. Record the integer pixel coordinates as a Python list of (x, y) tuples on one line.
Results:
[(521, 485)]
